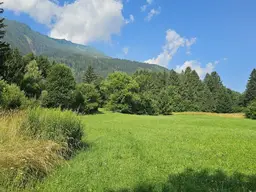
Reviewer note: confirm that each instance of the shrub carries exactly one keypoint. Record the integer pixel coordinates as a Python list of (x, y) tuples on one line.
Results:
[(251, 111), (86, 99), (11, 97), (63, 127)]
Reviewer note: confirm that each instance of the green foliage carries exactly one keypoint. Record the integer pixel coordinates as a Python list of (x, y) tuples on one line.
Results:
[(250, 93), (224, 102), (251, 111), (44, 65), (121, 91), (44, 98), (11, 97), (63, 127), (4, 47), (32, 81), (60, 85), (89, 76), (13, 67), (86, 99), (164, 103)]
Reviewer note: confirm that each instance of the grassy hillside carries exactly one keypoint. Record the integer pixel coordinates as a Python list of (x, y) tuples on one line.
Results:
[(143, 153), (77, 56)]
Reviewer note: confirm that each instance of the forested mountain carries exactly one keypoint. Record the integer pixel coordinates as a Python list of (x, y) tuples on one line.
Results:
[(78, 57)]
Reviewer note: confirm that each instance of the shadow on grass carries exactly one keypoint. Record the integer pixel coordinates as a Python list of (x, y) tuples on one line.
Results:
[(199, 181)]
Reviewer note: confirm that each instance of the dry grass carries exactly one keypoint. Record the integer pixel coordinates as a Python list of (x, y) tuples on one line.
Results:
[(23, 159), (228, 115)]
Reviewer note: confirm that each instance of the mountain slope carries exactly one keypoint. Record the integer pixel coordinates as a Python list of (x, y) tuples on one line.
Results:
[(26, 40), (78, 57)]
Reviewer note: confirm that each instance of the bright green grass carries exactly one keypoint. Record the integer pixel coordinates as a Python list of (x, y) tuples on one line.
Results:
[(127, 151)]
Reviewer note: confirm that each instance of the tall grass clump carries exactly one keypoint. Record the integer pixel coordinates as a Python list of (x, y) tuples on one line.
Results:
[(62, 127), (23, 160)]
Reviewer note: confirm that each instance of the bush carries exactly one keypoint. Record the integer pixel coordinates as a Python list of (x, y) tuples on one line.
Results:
[(251, 111), (86, 99), (63, 127), (11, 97)]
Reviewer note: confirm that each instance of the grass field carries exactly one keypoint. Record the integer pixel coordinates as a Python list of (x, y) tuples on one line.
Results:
[(173, 153)]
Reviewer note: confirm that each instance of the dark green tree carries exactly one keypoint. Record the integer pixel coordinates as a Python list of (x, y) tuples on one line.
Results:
[(250, 93), (44, 65), (4, 47), (60, 85), (14, 67), (174, 79), (164, 103), (89, 76), (224, 102)]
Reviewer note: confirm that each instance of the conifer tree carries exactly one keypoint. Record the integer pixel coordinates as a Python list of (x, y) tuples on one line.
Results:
[(174, 78), (89, 76), (250, 93)]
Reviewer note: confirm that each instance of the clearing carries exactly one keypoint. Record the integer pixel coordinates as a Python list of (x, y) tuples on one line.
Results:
[(140, 153)]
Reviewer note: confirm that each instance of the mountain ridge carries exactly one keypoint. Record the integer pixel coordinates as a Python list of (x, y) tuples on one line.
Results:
[(78, 57)]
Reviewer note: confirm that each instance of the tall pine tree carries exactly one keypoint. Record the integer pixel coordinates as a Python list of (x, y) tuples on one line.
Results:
[(250, 93)]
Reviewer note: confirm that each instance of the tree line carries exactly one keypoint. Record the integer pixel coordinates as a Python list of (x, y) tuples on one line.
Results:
[(35, 80)]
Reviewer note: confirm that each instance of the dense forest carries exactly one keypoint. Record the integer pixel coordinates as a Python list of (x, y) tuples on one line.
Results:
[(32, 80)]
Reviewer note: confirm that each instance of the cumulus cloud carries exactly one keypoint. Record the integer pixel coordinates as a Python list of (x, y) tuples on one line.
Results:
[(81, 21), (173, 42), (152, 13), (196, 65)]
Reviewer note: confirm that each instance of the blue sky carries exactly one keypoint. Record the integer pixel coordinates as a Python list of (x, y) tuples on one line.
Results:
[(206, 35)]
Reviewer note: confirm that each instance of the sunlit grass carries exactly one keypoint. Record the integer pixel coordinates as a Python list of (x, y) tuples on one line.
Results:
[(139, 153), (23, 160)]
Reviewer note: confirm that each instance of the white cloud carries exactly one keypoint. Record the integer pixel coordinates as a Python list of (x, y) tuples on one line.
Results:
[(152, 13), (196, 65), (81, 21), (144, 7), (130, 20), (126, 50), (173, 42)]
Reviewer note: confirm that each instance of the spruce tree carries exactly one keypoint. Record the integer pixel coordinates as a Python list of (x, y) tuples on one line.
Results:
[(174, 79), (250, 93), (89, 76)]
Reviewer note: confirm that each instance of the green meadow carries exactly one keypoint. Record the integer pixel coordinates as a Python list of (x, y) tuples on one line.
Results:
[(160, 153)]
